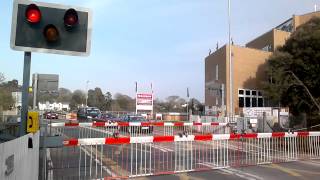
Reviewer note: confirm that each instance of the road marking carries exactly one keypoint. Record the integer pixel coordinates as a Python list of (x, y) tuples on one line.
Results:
[(313, 163), (50, 164), (99, 162), (185, 176), (241, 174), (284, 169)]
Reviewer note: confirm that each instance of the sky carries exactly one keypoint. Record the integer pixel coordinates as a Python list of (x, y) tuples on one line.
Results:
[(163, 42)]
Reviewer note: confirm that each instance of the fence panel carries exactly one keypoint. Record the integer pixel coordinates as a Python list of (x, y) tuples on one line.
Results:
[(125, 157)]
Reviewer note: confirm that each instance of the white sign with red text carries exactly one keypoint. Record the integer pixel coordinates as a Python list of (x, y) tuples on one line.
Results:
[(144, 101)]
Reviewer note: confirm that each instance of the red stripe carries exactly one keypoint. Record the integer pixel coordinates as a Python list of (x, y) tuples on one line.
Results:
[(71, 142), (71, 124), (178, 124), (278, 134), (203, 137), (158, 123), (146, 124), (215, 124), (163, 138), (235, 136), (99, 124), (197, 123), (250, 135), (123, 123), (303, 133), (120, 140)]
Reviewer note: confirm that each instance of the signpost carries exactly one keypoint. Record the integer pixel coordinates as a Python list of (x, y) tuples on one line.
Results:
[(144, 101)]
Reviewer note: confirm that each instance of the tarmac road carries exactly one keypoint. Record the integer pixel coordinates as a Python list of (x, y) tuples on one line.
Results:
[(299, 170)]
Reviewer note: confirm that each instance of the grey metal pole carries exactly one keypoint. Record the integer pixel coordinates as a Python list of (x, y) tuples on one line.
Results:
[(230, 62), (25, 93), (35, 88), (87, 93)]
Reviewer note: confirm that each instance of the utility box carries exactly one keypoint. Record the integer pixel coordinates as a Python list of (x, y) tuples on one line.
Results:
[(33, 122)]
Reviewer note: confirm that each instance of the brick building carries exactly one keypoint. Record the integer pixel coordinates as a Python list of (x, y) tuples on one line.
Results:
[(248, 68)]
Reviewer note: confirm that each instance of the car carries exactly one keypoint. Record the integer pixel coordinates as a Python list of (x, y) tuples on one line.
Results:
[(135, 129), (105, 118), (50, 115), (88, 113)]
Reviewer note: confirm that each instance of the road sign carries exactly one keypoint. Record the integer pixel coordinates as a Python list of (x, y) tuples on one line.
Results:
[(50, 28), (33, 122)]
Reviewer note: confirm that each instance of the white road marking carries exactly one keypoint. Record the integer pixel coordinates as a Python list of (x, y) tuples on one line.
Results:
[(241, 174)]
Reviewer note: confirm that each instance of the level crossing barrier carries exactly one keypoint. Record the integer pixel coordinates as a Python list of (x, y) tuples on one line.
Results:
[(125, 157), (134, 129)]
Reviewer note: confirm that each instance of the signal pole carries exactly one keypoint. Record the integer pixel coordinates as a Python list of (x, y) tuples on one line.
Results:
[(25, 93)]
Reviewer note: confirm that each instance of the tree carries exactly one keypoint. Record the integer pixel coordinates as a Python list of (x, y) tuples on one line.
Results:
[(195, 105), (108, 100), (123, 102), (96, 99), (6, 100), (65, 95), (2, 78), (77, 99), (294, 72)]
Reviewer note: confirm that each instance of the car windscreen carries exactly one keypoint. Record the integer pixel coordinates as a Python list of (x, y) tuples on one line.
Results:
[(137, 119), (93, 111)]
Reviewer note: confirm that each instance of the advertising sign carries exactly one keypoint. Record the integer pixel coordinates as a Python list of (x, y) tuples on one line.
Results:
[(144, 101)]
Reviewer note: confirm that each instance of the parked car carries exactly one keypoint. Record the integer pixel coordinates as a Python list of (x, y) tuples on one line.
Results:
[(50, 115), (88, 113), (135, 129), (106, 118)]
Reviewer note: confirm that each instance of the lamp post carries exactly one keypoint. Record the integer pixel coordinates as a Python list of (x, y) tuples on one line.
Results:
[(230, 62), (87, 83)]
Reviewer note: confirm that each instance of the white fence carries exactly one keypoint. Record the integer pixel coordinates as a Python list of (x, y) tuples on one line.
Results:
[(17, 160)]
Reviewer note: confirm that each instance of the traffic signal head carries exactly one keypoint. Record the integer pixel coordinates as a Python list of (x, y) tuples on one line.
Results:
[(50, 28), (70, 18), (33, 14), (51, 33)]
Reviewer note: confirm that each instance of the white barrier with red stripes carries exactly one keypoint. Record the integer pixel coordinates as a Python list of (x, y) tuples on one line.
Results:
[(177, 138), (105, 129), (107, 124), (123, 157)]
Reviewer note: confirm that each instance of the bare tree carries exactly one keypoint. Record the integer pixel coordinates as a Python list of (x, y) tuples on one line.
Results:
[(2, 78)]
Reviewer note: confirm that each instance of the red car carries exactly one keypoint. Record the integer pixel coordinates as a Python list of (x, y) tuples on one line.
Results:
[(50, 115)]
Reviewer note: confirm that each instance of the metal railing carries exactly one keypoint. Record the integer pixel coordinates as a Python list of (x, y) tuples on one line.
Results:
[(125, 157)]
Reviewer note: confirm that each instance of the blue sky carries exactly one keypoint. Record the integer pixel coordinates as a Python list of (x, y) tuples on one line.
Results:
[(159, 41)]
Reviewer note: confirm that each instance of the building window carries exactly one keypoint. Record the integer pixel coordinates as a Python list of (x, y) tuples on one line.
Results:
[(241, 102), (254, 102), (267, 48), (250, 98), (248, 102), (217, 72)]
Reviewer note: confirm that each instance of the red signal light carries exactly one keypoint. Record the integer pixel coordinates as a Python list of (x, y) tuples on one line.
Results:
[(71, 18), (33, 14), (51, 33)]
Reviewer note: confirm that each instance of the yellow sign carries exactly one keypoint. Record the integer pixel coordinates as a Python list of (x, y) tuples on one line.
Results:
[(33, 122), (30, 89)]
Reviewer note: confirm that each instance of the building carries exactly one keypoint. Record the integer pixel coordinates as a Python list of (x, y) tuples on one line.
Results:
[(248, 68), (53, 106)]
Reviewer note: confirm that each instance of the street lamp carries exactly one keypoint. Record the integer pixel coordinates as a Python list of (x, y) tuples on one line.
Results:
[(230, 62), (87, 83)]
